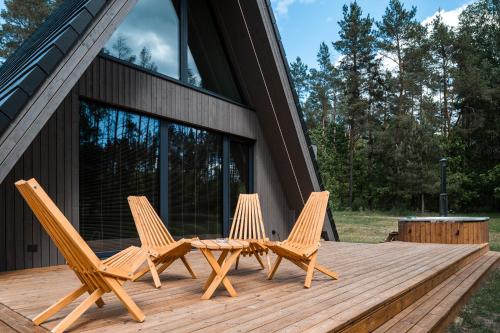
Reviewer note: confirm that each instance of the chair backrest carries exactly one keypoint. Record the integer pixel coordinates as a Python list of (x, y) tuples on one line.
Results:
[(75, 250), (247, 220), (307, 229), (150, 227)]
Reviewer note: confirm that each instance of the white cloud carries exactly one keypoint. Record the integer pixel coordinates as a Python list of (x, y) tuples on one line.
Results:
[(449, 17), (281, 6)]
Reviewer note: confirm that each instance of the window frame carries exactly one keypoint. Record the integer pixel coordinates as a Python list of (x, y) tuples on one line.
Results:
[(163, 162), (183, 59)]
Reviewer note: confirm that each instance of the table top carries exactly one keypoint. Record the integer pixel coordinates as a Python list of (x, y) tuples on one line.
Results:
[(220, 244)]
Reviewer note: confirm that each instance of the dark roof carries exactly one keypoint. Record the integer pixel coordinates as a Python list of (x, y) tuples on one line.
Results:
[(301, 114), (34, 61), (25, 71)]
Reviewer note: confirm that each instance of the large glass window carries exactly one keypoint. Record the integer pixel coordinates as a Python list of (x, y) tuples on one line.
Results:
[(119, 154), (208, 66), (239, 172), (177, 38), (149, 37), (195, 182)]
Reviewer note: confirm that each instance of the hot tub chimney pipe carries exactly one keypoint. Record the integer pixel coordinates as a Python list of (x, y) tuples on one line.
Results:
[(443, 196)]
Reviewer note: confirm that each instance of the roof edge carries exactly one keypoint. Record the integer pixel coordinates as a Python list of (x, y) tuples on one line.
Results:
[(301, 114)]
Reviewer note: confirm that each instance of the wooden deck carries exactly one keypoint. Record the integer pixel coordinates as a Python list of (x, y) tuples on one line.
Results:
[(377, 281)]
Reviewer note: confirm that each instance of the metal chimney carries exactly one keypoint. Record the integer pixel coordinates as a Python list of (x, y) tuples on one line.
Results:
[(443, 196)]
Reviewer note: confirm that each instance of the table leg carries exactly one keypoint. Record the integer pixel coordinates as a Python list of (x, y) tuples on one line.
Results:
[(222, 257), (220, 272)]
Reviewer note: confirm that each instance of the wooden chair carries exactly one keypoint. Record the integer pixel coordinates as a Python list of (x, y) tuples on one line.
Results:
[(248, 225), (163, 250), (301, 247), (97, 276)]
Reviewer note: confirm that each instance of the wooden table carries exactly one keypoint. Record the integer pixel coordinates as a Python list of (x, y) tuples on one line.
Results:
[(220, 267)]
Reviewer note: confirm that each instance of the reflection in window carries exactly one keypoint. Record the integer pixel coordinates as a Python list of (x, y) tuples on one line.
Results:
[(208, 66), (195, 182), (239, 172), (118, 157), (149, 37)]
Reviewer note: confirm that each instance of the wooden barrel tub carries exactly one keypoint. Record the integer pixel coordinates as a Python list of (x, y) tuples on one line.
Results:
[(445, 230)]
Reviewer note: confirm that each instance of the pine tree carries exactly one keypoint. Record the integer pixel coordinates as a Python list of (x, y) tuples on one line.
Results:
[(300, 77), (321, 94), (20, 19), (122, 50), (396, 35), (474, 144), (357, 47), (145, 59), (442, 45)]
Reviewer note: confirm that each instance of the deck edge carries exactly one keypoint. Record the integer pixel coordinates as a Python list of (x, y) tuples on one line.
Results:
[(373, 318)]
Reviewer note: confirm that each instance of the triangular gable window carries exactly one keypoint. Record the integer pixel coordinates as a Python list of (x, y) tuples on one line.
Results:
[(149, 37), (178, 39)]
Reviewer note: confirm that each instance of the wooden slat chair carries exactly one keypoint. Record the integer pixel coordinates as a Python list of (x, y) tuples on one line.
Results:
[(301, 247), (97, 276), (162, 248), (248, 225)]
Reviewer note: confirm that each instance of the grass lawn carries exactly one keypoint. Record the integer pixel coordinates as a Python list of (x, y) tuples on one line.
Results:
[(482, 313)]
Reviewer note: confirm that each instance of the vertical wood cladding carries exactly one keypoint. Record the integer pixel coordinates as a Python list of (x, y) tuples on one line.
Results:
[(52, 157)]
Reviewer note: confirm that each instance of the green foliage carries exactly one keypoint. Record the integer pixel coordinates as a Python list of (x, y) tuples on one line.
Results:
[(380, 131), (481, 313)]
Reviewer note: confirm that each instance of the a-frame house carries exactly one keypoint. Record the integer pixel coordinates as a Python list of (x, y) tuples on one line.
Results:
[(188, 102)]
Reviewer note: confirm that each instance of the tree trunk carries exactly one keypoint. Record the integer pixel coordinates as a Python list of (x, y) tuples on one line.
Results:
[(422, 202), (334, 117), (324, 115), (399, 104), (351, 158), (446, 112)]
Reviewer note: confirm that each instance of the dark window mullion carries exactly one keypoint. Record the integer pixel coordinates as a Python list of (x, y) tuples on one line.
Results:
[(251, 182), (164, 172), (183, 30), (226, 144)]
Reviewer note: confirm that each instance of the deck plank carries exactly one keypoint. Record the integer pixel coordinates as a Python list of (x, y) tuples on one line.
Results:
[(437, 306), (370, 274)]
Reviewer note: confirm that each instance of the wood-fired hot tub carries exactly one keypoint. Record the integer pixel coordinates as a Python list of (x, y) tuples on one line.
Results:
[(446, 230)]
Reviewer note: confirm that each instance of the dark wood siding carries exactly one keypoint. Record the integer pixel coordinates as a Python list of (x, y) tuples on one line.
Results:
[(51, 158), (53, 155)]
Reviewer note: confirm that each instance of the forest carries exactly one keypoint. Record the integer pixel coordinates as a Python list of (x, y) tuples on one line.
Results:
[(401, 96)]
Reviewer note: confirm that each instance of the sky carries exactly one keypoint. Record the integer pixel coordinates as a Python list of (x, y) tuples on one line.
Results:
[(304, 24)]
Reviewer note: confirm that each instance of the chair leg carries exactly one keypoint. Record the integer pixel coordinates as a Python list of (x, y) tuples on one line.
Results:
[(274, 268), (259, 260), (140, 274), (188, 267), (165, 265), (127, 301), (78, 311), (324, 270), (237, 263), (154, 273), (268, 261), (310, 270), (55, 308)]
